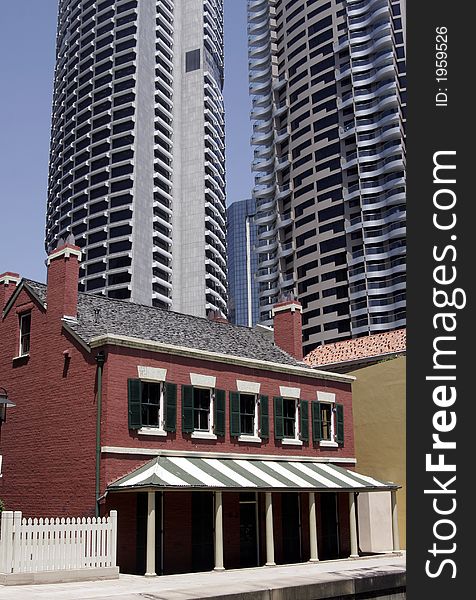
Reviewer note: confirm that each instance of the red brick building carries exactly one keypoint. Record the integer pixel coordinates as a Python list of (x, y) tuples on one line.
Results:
[(193, 429)]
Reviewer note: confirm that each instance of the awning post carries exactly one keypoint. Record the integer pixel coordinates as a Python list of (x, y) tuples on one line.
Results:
[(150, 556), (269, 530), (313, 528), (354, 551), (219, 565), (395, 533)]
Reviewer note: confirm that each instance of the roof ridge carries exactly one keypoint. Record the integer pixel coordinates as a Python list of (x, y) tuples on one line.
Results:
[(123, 317), (158, 308)]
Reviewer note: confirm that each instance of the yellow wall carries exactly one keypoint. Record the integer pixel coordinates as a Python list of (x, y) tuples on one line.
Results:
[(379, 424)]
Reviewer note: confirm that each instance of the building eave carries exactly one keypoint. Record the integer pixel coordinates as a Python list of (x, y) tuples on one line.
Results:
[(153, 346), (23, 285), (73, 333)]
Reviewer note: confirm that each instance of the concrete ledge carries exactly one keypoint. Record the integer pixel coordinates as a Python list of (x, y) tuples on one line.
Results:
[(388, 586), (66, 576)]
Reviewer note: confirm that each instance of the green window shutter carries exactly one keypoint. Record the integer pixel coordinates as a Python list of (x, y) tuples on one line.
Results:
[(264, 416), (278, 418), (187, 409), (220, 401), (339, 423), (134, 394), (316, 421), (235, 428), (170, 401), (304, 416)]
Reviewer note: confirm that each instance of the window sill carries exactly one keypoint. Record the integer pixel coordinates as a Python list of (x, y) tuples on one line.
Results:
[(291, 442), (250, 439), (203, 435), (152, 431), (328, 444), (21, 358)]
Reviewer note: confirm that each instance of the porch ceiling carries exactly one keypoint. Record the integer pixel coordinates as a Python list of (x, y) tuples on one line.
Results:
[(179, 472)]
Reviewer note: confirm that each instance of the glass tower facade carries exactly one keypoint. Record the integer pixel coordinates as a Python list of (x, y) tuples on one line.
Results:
[(243, 306), (137, 166), (328, 88)]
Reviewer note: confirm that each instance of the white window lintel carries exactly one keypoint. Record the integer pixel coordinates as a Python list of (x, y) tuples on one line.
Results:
[(248, 387), (326, 397), (151, 373), (204, 381), (290, 392)]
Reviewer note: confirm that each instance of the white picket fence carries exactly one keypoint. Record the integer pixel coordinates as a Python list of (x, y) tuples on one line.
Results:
[(39, 545)]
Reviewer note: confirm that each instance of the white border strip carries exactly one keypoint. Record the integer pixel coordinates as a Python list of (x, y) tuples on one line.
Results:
[(233, 455)]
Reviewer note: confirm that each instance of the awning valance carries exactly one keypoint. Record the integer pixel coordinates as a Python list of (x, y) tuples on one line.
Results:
[(180, 472)]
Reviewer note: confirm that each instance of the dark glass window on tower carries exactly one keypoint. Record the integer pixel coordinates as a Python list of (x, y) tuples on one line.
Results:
[(192, 60)]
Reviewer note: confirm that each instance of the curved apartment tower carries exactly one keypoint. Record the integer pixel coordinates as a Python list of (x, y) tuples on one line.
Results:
[(137, 161), (327, 80)]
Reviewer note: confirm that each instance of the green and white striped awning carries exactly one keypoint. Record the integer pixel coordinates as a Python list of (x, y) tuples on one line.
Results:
[(180, 472)]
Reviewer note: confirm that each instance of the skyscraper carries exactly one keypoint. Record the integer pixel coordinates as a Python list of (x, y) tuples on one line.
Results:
[(243, 308), (137, 149), (327, 80)]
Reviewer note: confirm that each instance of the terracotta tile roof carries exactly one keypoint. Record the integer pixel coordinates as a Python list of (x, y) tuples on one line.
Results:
[(370, 346)]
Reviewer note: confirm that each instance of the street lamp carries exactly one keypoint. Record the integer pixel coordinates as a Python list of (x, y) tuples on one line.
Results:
[(4, 403)]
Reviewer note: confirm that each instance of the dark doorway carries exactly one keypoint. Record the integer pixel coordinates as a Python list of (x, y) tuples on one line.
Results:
[(141, 538), (291, 526), (203, 558), (330, 527), (248, 531)]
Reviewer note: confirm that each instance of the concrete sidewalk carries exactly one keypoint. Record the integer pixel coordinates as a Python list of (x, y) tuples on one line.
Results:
[(302, 581)]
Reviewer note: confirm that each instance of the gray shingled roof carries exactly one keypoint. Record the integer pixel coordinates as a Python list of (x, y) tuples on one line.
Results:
[(98, 315)]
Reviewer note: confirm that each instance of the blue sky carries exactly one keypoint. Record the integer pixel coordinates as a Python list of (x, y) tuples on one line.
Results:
[(27, 55)]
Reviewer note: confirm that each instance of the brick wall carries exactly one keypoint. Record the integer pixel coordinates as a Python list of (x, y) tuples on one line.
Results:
[(177, 532), (126, 506), (48, 441), (122, 364)]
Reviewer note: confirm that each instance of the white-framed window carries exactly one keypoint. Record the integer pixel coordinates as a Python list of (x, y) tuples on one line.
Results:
[(327, 420), (152, 402), (290, 418), (25, 332), (203, 408), (203, 405), (291, 422), (248, 415)]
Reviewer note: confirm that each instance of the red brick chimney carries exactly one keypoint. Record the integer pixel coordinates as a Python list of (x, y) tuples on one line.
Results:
[(8, 284), (62, 282), (215, 315), (288, 327)]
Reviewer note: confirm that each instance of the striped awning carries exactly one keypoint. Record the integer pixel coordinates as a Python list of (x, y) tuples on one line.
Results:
[(179, 472)]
